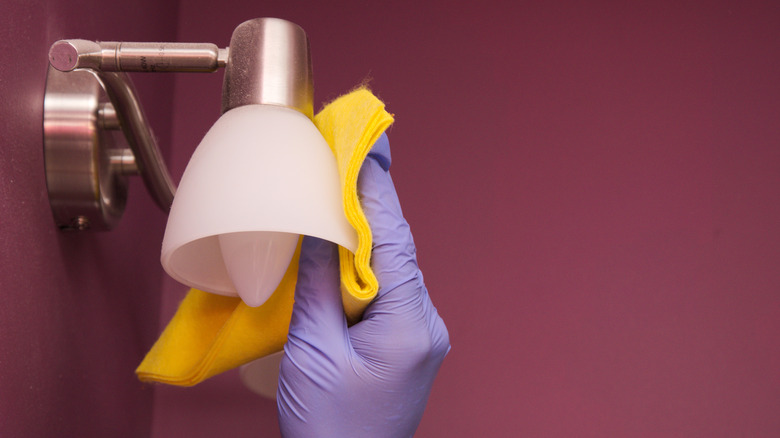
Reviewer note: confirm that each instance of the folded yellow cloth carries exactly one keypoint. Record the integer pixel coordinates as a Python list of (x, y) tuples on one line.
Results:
[(210, 334)]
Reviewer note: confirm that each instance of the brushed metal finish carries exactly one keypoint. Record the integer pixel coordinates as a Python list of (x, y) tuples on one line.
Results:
[(85, 157), (135, 126), (67, 55), (269, 63), (85, 191), (123, 162), (107, 116), (88, 96)]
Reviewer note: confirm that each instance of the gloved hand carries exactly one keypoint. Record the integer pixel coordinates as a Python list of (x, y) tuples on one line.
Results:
[(372, 379)]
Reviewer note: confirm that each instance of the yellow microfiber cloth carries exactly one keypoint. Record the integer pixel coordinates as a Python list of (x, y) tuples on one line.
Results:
[(210, 334)]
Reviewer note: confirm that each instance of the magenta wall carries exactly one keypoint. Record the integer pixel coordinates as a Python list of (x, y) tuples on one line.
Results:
[(593, 190), (595, 193), (77, 312)]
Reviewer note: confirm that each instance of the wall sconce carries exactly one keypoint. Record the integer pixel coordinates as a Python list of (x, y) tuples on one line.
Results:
[(262, 176)]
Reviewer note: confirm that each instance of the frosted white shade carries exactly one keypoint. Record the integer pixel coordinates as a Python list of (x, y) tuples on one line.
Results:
[(259, 168), (256, 262)]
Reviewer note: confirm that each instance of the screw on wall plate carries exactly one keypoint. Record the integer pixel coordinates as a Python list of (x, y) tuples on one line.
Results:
[(78, 223)]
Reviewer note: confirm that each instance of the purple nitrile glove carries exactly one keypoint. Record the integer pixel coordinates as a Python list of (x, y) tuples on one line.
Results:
[(372, 379)]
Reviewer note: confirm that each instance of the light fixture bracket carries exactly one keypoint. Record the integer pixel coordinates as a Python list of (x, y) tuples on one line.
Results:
[(86, 160), (88, 104), (89, 99)]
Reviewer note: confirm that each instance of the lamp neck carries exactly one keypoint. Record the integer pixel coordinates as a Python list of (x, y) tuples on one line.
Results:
[(269, 64)]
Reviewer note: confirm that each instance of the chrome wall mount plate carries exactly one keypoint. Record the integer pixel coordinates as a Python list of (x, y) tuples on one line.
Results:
[(85, 155)]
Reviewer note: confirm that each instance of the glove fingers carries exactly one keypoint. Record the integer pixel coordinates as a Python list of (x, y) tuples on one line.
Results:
[(393, 257), (419, 339), (318, 315)]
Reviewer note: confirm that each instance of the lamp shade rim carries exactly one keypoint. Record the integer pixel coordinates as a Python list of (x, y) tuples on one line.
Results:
[(259, 168)]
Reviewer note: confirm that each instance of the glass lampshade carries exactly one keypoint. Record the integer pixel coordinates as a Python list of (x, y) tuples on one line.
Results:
[(262, 176)]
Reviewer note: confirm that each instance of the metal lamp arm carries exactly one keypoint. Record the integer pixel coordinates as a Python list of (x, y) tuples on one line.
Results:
[(109, 61), (67, 55), (132, 119), (88, 95)]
